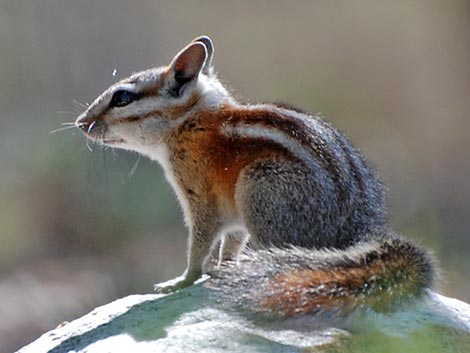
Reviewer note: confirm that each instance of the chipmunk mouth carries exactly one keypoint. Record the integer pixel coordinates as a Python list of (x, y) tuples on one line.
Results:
[(96, 130), (112, 141)]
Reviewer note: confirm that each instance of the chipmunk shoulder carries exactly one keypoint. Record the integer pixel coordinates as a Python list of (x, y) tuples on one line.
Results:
[(310, 206)]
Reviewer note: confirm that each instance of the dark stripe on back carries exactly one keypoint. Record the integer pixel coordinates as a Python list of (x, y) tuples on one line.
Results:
[(328, 153)]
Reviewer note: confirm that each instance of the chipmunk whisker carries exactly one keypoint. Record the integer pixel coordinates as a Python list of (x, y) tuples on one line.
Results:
[(134, 167), (80, 104), (62, 129)]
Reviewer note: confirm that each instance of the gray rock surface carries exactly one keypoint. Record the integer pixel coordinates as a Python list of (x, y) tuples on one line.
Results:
[(192, 321)]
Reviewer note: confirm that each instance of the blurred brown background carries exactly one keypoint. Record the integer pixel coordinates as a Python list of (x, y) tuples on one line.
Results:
[(77, 231)]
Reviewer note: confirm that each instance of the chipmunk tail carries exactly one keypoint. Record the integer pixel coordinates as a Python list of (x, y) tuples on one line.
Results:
[(377, 275)]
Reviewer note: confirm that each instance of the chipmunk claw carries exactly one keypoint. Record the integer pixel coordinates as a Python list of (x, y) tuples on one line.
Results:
[(177, 283)]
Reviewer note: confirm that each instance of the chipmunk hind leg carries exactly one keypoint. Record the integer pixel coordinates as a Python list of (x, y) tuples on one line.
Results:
[(231, 245), (286, 203)]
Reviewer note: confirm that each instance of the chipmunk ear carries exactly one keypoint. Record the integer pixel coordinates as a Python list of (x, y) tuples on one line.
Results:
[(187, 65), (208, 68)]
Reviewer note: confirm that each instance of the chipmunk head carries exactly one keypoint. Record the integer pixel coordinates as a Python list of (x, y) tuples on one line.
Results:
[(137, 112)]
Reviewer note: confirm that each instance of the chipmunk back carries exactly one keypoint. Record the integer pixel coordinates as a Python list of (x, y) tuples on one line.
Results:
[(282, 178)]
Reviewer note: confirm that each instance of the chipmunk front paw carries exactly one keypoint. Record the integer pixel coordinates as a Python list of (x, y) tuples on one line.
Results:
[(173, 285)]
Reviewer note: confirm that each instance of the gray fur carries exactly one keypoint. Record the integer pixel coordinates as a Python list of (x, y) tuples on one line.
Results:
[(331, 203)]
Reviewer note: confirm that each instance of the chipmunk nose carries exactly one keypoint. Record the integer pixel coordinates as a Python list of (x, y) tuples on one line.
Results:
[(86, 125)]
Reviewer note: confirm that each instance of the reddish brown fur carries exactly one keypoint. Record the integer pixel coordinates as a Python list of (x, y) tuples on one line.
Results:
[(309, 291), (215, 159), (291, 127), (390, 274)]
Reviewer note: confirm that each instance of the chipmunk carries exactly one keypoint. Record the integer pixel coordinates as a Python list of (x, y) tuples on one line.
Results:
[(310, 205)]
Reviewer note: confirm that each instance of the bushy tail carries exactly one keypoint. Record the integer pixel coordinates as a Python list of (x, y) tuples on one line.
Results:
[(377, 275)]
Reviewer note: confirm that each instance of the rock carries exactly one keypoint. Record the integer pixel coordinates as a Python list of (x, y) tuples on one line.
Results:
[(191, 320)]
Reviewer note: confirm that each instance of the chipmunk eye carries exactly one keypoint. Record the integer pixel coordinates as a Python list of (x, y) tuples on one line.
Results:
[(122, 98)]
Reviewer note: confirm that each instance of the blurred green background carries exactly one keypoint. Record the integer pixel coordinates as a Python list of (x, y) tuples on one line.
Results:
[(76, 230)]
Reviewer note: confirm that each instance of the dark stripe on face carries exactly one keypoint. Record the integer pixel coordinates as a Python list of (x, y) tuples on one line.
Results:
[(133, 118), (171, 112)]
